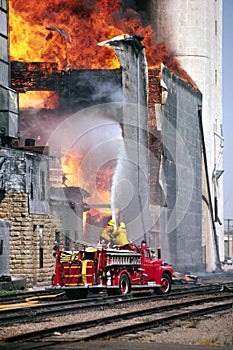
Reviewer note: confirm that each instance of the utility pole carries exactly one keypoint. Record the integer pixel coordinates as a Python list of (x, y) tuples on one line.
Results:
[(228, 234)]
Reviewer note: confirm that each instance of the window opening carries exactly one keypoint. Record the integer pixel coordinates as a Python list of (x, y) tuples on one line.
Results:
[(41, 249)]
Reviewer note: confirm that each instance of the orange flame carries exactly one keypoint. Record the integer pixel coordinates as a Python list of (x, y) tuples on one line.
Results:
[(67, 32), (97, 217), (94, 221), (39, 99), (99, 185), (74, 29)]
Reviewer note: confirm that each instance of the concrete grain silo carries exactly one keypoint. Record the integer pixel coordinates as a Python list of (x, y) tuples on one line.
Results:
[(192, 30)]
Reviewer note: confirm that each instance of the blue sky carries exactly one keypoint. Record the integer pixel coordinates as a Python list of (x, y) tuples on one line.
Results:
[(228, 106)]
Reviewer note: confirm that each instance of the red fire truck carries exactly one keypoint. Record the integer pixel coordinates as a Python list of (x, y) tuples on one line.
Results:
[(117, 270)]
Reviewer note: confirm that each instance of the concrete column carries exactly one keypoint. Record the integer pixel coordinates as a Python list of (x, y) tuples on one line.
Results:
[(134, 194)]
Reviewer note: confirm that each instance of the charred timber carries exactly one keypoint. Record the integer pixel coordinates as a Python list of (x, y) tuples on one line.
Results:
[(34, 76), (45, 76), (37, 149)]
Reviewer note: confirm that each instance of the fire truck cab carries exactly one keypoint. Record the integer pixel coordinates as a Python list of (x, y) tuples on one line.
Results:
[(118, 270)]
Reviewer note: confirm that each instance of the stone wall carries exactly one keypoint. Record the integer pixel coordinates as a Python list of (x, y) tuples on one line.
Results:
[(31, 236)]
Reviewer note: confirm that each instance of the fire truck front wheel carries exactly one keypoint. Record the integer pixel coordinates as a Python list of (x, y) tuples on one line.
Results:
[(166, 284)]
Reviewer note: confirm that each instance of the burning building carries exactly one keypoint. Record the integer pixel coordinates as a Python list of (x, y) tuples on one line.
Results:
[(123, 124)]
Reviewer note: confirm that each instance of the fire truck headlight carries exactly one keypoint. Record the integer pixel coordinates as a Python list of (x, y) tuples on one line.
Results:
[(164, 263)]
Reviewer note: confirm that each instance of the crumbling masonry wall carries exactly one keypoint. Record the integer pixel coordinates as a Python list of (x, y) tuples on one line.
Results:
[(24, 204)]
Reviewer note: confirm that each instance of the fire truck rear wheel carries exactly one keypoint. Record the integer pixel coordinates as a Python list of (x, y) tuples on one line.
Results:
[(124, 284), (166, 284), (123, 288)]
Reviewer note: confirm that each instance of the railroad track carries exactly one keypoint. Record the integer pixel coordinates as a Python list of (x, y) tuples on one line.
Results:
[(15, 298), (30, 311), (127, 322), (22, 296)]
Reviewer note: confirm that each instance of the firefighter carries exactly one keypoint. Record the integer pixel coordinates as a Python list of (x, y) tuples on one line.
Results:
[(120, 235), (106, 236)]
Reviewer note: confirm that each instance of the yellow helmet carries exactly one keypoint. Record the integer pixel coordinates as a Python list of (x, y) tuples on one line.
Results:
[(111, 223), (122, 224)]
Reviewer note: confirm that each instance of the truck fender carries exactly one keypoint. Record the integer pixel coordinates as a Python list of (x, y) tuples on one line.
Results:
[(118, 276)]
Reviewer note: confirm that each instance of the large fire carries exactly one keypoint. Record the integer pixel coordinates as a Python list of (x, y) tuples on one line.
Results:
[(67, 33)]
